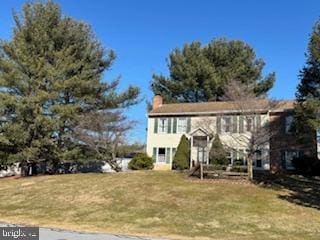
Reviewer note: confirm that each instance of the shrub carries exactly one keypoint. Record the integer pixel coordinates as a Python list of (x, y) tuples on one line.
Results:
[(141, 161), (211, 167), (238, 162), (181, 160), (307, 165), (218, 155), (239, 169)]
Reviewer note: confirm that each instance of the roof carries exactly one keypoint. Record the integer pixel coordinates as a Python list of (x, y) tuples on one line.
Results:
[(222, 107), (199, 129)]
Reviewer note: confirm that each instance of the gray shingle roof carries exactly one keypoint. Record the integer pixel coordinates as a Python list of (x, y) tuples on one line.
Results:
[(221, 107)]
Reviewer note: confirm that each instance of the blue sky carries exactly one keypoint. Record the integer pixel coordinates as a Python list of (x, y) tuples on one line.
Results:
[(143, 32)]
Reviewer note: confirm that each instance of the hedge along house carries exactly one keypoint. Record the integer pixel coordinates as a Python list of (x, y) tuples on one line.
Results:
[(201, 121)]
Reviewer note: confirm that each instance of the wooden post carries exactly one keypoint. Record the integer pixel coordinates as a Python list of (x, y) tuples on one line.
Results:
[(250, 167), (201, 170)]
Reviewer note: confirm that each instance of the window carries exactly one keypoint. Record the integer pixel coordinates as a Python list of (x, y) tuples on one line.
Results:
[(238, 157), (258, 163), (258, 121), (229, 157), (289, 156), (182, 125), (242, 157), (234, 124), (163, 125), (161, 155), (227, 124), (288, 124), (200, 141), (249, 124), (258, 159), (241, 124), (234, 155), (241, 154)]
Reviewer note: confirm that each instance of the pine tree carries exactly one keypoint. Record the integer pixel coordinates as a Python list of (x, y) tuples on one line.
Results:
[(200, 73), (51, 73), (218, 155), (308, 94), (181, 159)]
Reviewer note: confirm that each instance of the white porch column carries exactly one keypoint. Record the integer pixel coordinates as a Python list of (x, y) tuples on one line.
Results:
[(208, 150), (191, 147)]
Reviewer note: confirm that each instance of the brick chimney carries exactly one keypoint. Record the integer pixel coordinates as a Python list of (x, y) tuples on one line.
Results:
[(157, 101)]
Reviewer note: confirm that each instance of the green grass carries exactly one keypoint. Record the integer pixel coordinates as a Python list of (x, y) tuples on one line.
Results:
[(155, 203)]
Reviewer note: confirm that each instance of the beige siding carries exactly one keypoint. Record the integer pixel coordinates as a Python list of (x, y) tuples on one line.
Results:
[(208, 123), (161, 140)]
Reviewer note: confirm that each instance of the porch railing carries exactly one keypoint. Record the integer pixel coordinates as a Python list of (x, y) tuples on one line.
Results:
[(202, 171)]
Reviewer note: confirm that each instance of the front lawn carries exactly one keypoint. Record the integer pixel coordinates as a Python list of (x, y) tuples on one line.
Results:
[(159, 204)]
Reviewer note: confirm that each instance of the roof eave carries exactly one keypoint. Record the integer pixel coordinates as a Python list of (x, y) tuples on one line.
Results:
[(206, 113)]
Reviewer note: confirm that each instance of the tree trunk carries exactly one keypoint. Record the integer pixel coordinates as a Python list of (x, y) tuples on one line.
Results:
[(250, 167)]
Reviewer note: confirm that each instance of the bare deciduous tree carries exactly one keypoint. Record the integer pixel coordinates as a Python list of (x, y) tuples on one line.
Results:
[(249, 108), (103, 132), (256, 133)]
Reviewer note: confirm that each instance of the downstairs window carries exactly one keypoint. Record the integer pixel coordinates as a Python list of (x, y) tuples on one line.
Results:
[(161, 155)]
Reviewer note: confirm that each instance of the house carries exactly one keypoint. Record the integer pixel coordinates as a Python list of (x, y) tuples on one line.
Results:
[(201, 121)]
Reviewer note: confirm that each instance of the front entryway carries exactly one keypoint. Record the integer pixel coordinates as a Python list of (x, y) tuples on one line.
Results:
[(201, 154), (199, 147)]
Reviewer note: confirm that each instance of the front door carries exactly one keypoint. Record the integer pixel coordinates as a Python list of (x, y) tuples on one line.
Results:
[(201, 154)]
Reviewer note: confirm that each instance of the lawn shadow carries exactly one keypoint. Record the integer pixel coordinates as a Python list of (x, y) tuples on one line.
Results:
[(302, 190)]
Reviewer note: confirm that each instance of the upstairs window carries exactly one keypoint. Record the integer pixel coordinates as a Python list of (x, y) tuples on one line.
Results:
[(163, 125), (249, 122), (238, 124), (182, 125), (227, 124)]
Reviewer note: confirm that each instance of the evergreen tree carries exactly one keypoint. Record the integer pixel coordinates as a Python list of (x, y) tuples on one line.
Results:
[(181, 159), (200, 73), (218, 155), (308, 94), (51, 73)]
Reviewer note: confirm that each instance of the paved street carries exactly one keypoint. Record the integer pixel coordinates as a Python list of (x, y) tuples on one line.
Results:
[(55, 234)]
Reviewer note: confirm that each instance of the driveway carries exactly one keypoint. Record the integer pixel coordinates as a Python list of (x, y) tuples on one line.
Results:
[(57, 234)]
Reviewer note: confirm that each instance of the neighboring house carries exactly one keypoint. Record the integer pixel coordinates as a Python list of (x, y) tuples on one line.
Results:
[(9, 171), (41, 168), (201, 121)]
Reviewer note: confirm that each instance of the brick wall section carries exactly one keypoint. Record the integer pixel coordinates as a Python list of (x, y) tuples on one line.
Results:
[(281, 141)]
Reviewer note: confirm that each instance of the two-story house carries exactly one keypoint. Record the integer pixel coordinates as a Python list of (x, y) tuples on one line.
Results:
[(201, 121)]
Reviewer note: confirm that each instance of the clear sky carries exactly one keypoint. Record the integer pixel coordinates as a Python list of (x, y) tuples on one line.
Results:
[(143, 32)]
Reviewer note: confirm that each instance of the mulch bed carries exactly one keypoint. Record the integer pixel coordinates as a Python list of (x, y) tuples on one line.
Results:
[(219, 180)]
